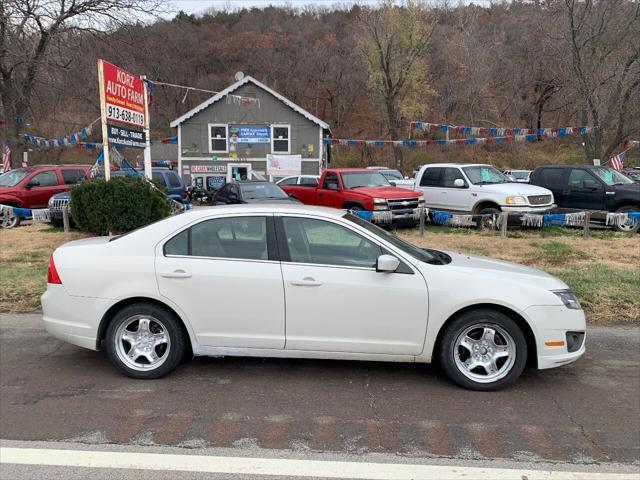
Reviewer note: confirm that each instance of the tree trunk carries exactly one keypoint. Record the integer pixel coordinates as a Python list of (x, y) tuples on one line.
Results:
[(394, 132)]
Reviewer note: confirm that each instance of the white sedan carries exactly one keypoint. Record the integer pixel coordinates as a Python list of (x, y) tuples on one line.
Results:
[(305, 282)]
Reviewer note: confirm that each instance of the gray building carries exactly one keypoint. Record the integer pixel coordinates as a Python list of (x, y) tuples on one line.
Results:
[(248, 129)]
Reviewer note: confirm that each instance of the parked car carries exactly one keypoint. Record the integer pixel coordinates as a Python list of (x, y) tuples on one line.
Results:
[(632, 173), (32, 187), (251, 191), (394, 176), (362, 189), (164, 177), (479, 190), (589, 187), (520, 176), (302, 180), (305, 282)]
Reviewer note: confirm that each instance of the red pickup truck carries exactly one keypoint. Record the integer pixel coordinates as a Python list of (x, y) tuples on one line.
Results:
[(364, 190)]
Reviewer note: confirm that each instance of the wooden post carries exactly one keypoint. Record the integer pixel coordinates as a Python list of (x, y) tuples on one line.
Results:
[(65, 218), (586, 232), (503, 225), (103, 121), (422, 220)]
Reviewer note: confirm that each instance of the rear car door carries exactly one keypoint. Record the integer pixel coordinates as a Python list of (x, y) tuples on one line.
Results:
[(44, 185), (430, 186), (336, 301), (584, 191), (224, 274), (554, 179)]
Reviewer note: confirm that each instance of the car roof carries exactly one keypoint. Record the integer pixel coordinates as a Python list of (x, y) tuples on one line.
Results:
[(339, 170), (458, 165), (571, 166), (263, 208)]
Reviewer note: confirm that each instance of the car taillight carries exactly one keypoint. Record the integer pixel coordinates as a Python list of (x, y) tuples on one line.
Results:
[(52, 274)]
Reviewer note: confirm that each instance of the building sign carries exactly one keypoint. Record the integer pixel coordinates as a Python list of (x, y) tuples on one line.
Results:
[(126, 137), (249, 134), (216, 182), (284, 165), (122, 94), (208, 169)]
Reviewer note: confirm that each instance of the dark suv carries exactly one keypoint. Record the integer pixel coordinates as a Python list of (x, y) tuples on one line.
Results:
[(588, 187)]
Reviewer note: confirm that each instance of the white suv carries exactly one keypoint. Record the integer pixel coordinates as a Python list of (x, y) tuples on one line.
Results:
[(478, 189)]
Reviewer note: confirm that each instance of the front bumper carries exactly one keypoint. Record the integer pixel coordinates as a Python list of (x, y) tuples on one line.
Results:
[(528, 209), (550, 325), (397, 216)]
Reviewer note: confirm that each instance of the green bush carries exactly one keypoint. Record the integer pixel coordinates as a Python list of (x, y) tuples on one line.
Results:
[(117, 206)]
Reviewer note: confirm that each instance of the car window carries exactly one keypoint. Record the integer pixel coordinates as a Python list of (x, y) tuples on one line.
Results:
[(46, 179), (550, 177), (288, 181), (173, 179), (326, 243), (223, 193), (449, 177), (235, 237), (392, 174), (261, 190), (485, 175), (431, 177), (308, 182), (158, 178), (71, 177), (330, 179), (577, 178)]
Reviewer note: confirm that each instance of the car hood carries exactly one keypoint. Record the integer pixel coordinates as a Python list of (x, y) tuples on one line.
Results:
[(506, 271), (514, 189), (386, 192), (631, 188)]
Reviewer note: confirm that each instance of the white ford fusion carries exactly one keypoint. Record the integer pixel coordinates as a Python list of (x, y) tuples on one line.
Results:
[(305, 282)]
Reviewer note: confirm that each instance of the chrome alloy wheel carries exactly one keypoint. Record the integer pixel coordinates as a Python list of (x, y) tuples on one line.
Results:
[(484, 353), (142, 342)]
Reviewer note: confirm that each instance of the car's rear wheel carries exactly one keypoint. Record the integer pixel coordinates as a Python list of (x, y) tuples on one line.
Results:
[(629, 225), (145, 341), (9, 219), (483, 350)]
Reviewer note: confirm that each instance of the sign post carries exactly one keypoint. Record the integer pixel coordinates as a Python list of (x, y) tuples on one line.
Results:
[(123, 100), (147, 147)]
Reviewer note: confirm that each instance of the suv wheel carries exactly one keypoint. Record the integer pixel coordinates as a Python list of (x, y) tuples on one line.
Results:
[(483, 350), (629, 226), (145, 341), (488, 219), (9, 220)]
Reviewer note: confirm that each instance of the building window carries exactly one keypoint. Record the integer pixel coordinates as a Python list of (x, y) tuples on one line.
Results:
[(218, 136), (280, 139)]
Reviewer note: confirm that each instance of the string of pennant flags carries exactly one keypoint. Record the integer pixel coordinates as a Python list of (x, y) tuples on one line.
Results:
[(71, 140), (500, 131), (500, 140)]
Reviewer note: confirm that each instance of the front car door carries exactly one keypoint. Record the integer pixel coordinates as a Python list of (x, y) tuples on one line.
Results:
[(335, 299), (224, 274), (457, 198), (584, 191), (44, 186)]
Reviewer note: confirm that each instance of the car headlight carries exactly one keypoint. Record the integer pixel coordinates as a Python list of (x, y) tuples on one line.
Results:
[(515, 200), (421, 201), (568, 298), (380, 204)]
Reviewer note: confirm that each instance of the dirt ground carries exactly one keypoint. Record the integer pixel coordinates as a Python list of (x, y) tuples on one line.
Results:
[(604, 270)]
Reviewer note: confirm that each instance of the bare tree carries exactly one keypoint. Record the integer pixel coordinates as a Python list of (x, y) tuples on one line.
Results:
[(393, 44), (32, 34)]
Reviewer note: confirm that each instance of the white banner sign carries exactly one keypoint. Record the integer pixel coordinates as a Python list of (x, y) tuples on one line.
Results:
[(284, 165)]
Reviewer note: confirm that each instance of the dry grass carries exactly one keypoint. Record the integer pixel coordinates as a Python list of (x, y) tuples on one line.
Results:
[(604, 270)]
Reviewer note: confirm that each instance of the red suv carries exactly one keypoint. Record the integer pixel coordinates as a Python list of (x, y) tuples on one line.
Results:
[(32, 187)]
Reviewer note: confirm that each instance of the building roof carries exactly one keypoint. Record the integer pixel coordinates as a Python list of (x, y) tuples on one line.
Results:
[(234, 87)]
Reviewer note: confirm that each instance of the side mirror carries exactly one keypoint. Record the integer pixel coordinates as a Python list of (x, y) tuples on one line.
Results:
[(333, 186), (590, 184), (458, 183), (387, 263), (32, 183), (393, 184)]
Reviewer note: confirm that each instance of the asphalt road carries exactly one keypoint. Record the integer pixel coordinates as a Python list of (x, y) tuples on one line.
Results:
[(585, 413)]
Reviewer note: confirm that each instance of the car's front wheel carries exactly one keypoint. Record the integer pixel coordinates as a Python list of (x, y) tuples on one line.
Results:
[(630, 225), (483, 350), (145, 341), (8, 219)]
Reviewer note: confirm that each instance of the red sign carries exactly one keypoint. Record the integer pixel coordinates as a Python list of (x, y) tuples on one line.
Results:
[(123, 95)]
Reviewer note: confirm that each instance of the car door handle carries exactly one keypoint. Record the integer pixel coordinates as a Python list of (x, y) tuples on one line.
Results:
[(176, 274), (306, 282)]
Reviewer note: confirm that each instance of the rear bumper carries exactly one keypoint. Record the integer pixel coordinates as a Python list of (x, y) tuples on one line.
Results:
[(72, 319), (550, 325)]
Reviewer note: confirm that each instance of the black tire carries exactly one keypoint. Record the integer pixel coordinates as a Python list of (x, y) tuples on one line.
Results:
[(628, 227), (57, 223), (175, 350), (508, 368), (485, 222)]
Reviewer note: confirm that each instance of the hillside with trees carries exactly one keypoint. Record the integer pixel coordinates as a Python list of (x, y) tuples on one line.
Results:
[(368, 72)]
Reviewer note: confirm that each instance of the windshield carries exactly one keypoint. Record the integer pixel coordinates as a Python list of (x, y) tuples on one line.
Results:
[(392, 174), (611, 177), (12, 177), (520, 175), (364, 179), (261, 190), (485, 175), (633, 175), (406, 247)]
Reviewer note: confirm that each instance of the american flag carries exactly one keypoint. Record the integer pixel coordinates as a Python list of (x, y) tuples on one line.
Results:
[(617, 162), (6, 158)]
